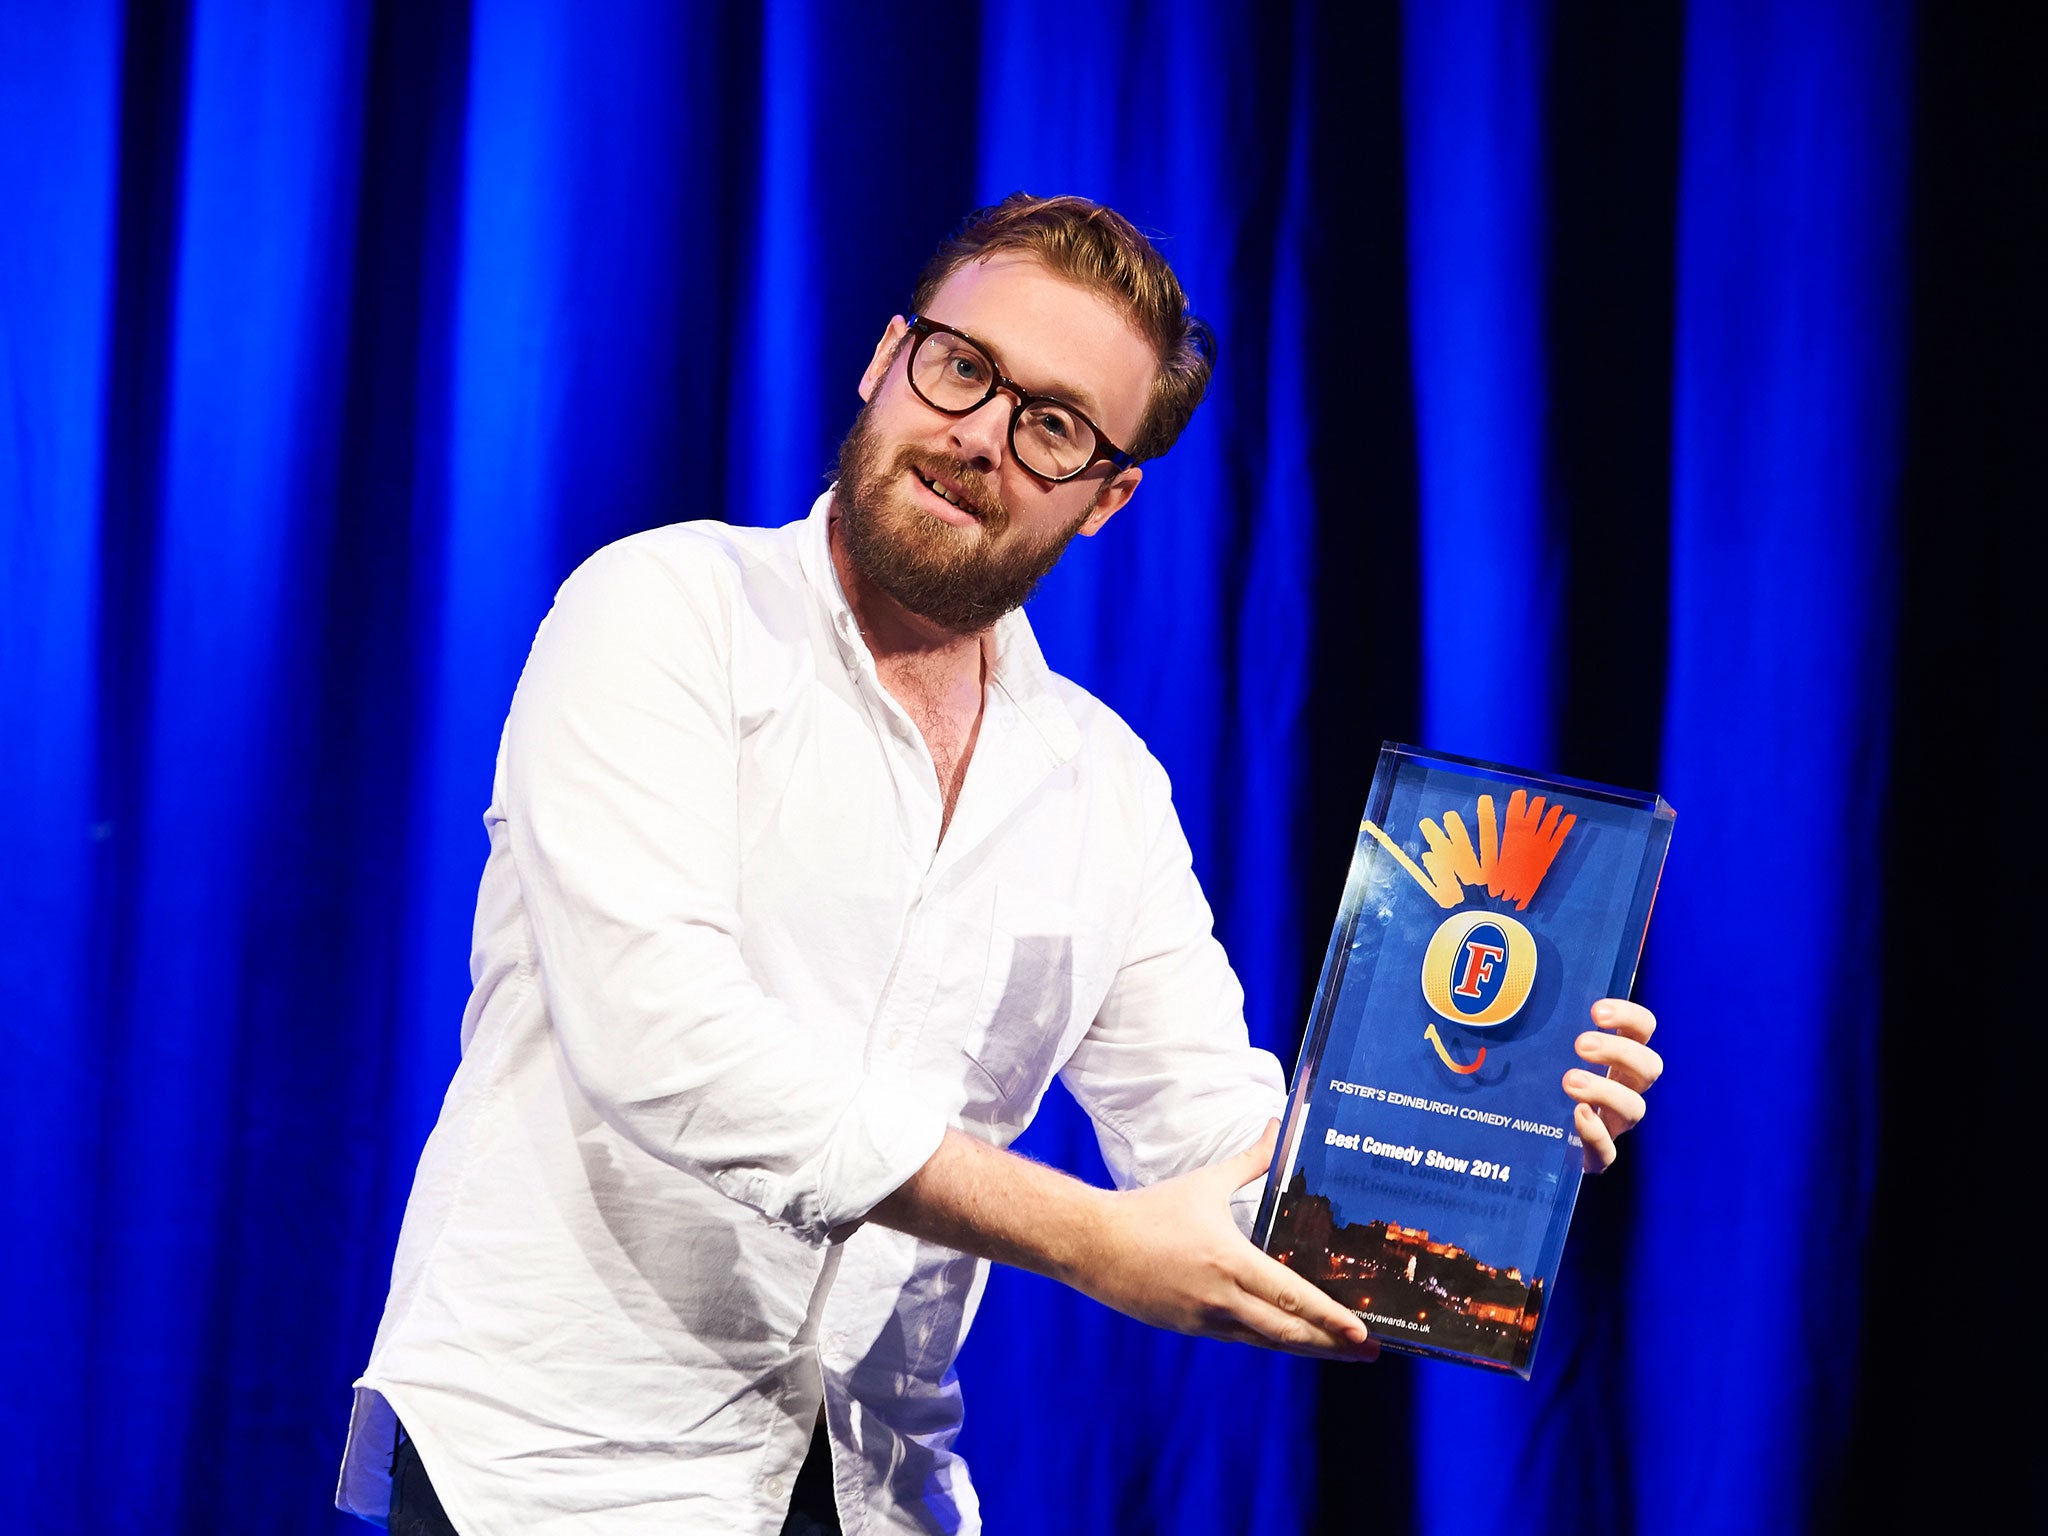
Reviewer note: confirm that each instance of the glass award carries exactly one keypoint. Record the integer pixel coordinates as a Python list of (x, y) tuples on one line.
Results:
[(1427, 1169)]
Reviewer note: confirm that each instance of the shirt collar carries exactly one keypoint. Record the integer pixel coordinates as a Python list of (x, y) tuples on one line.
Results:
[(1015, 663)]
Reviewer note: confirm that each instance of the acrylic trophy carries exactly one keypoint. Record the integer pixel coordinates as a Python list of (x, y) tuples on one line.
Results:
[(1428, 1166)]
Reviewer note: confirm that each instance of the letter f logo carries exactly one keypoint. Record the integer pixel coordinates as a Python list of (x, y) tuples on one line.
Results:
[(1479, 968), (1480, 959)]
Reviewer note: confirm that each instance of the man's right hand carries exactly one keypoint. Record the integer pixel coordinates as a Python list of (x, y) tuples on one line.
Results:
[(1169, 1254)]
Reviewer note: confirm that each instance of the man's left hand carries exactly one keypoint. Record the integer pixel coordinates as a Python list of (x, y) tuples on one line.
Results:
[(1610, 1101)]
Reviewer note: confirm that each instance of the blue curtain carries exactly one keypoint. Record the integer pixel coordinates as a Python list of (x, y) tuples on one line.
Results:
[(1490, 564), (1787, 407), (1786, 400), (333, 335)]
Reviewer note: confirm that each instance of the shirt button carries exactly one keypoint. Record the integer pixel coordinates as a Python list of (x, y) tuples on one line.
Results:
[(895, 1039)]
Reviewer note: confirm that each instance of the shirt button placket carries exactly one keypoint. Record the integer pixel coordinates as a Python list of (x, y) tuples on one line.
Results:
[(912, 996)]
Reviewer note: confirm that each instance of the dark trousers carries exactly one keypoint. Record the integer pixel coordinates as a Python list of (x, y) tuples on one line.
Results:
[(416, 1509)]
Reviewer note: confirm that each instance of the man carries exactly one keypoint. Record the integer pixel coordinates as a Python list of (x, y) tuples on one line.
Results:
[(805, 877)]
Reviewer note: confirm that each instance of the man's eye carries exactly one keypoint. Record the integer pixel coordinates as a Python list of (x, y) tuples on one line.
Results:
[(1057, 425), (967, 368)]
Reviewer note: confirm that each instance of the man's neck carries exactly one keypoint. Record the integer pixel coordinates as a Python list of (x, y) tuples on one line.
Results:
[(904, 643), (938, 676)]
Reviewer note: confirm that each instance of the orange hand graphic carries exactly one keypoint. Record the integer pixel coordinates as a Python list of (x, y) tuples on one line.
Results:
[(1528, 843), (1510, 860)]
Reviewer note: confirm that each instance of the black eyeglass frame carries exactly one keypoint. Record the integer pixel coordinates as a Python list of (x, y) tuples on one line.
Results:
[(922, 328)]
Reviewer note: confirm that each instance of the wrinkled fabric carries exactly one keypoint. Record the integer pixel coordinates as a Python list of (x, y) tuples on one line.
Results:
[(730, 989)]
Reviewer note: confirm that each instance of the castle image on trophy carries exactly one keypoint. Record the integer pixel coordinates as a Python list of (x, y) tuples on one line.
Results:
[(1425, 1294)]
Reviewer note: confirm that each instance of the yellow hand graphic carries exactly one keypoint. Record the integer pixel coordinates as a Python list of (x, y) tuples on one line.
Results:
[(1513, 856)]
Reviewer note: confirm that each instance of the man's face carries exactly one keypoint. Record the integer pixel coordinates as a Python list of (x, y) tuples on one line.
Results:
[(964, 558)]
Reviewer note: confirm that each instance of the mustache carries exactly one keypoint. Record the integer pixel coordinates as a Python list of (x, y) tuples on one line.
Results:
[(973, 490)]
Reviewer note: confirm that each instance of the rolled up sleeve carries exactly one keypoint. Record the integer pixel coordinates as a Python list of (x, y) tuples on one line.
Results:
[(620, 790), (1167, 1070)]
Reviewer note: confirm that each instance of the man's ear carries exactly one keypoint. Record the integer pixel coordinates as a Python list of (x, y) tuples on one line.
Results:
[(1111, 501), (885, 354)]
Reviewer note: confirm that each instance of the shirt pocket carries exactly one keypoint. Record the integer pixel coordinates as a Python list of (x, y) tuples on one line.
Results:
[(1025, 1020)]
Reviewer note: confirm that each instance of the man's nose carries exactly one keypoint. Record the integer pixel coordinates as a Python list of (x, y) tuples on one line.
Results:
[(983, 434)]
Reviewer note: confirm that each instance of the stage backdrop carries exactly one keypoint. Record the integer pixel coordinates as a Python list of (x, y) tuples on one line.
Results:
[(1559, 420)]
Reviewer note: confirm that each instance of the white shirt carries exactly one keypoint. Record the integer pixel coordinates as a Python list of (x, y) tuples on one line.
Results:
[(730, 988)]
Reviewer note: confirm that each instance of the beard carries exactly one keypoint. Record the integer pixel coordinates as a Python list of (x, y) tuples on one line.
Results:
[(961, 579)]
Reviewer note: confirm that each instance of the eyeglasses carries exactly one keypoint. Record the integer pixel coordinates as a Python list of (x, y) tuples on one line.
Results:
[(953, 373)]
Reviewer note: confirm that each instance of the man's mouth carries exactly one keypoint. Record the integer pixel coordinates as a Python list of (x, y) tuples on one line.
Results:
[(964, 507)]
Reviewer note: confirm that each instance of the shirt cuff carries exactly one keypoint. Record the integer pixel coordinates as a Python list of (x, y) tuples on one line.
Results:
[(890, 1129)]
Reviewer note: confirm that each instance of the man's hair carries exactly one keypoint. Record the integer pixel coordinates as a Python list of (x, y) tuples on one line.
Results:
[(1102, 251)]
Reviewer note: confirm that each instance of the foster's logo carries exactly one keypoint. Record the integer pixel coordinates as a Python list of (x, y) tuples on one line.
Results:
[(1479, 968)]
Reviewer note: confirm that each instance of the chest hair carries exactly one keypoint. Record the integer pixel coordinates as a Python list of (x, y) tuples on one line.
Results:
[(947, 713)]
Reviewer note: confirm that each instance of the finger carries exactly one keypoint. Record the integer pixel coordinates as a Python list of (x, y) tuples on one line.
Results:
[(1593, 1132), (1632, 1020), (1275, 1284), (1348, 1354), (1277, 1328), (1255, 1160), (1238, 1333), (1342, 1332), (1620, 1106), (1626, 1061)]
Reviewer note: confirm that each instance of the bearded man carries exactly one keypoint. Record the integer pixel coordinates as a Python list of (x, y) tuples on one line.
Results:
[(806, 876)]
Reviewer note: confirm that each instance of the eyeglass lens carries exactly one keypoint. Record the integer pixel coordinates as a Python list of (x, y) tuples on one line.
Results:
[(952, 374)]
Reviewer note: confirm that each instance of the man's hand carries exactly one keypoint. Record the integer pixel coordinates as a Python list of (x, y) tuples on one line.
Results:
[(1611, 1102), (1168, 1255), (1171, 1256)]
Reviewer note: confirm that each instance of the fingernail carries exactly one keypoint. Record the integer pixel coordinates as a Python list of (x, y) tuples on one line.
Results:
[(1603, 1013)]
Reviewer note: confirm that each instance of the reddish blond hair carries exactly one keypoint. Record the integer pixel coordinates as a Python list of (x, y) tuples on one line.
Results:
[(1098, 249)]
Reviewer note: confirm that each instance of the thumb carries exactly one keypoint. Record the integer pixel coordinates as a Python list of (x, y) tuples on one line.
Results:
[(1255, 1159)]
